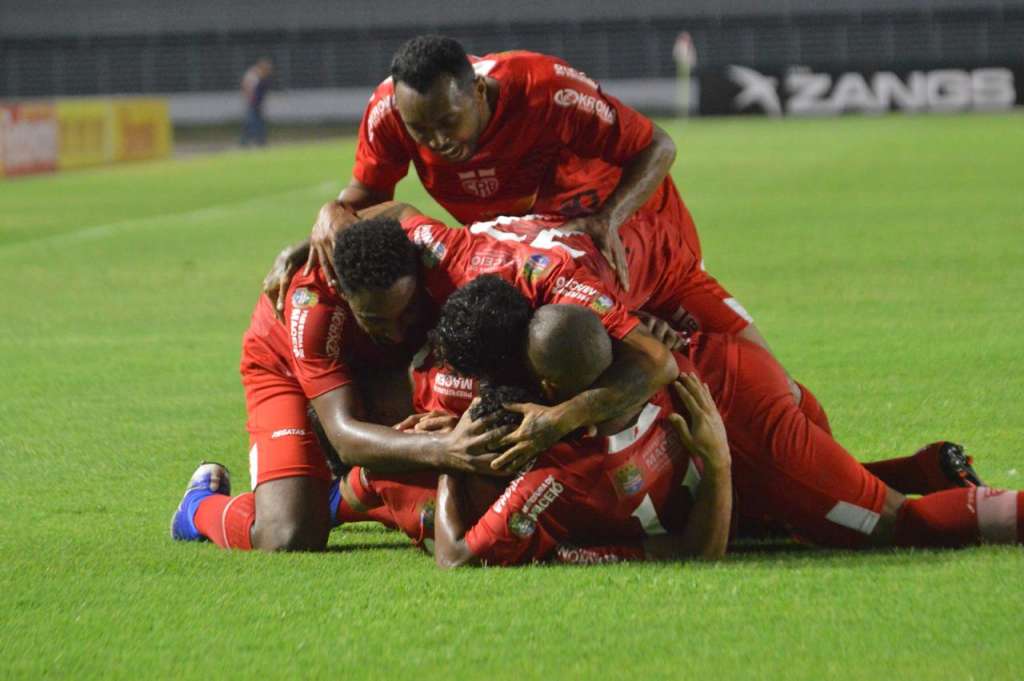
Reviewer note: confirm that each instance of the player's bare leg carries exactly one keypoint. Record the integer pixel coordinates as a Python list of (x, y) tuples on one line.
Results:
[(291, 515)]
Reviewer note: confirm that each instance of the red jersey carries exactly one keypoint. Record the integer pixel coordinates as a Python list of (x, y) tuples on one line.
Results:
[(320, 345), (544, 272), (613, 490), (555, 143)]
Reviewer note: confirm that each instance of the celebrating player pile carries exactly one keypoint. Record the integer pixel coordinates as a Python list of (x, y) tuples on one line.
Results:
[(610, 462)]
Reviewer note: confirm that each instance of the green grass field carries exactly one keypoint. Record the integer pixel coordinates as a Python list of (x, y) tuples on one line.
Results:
[(882, 257)]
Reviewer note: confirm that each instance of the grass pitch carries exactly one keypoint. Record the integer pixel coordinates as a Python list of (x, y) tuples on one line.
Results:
[(882, 257)]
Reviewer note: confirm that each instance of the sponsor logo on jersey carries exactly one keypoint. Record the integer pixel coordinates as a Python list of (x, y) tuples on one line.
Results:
[(629, 479), (569, 72), (801, 91), (577, 290), (535, 267), (523, 522), (489, 261), (285, 432), (433, 250), (304, 298), (454, 385), (377, 113), (567, 97), (481, 183), (601, 304), (334, 332), (297, 328)]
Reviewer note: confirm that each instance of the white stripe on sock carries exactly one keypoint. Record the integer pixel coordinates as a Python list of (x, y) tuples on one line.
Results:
[(997, 515)]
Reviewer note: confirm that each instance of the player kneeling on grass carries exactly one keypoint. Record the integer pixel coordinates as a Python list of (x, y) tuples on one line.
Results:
[(785, 469)]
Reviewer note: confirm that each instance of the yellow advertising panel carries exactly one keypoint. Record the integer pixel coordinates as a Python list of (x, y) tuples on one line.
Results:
[(143, 129), (86, 132)]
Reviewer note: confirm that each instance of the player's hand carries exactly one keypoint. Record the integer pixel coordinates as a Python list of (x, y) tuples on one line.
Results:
[(662, 330), (704, 433), (541, 428), (279, 278), (332, 218), (428, 422), (606, 238), (469, 444)]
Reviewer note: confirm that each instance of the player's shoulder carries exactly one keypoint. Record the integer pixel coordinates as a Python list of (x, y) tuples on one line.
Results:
[(308, 290), (380, 107)]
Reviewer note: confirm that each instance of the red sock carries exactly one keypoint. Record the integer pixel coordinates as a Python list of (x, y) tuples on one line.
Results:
[(917, 474), (961, 517), (813, 410), (227, 521)]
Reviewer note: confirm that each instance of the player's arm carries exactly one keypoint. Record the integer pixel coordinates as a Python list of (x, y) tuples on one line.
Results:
[(381, 448), (450, 547), (641, 176), (641, 367), (621, 136), (381, 161), (706, 535)]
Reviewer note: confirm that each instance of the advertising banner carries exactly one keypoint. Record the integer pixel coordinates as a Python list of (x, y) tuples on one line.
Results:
[(804, 91), (86, 132), (143, 129), (28, 138)]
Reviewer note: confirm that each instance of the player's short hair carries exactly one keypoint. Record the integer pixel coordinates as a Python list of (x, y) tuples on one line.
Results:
[(568, 346), (492, 400), (481, 330), (419, 62), (373, 254)]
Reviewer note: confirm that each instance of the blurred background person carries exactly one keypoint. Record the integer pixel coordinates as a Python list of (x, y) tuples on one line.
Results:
[(255, 84)]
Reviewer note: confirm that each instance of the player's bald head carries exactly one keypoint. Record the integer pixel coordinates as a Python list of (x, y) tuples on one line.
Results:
[(567, 348)]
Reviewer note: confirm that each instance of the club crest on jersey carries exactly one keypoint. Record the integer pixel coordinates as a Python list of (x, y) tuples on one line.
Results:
[(629, 479), (601, 304), (304, 298), (481, 183), (427, 517), (535, 267), (521, 525), (434, 254)]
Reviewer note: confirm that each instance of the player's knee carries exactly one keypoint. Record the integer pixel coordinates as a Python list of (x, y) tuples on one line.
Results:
[(290, 534)]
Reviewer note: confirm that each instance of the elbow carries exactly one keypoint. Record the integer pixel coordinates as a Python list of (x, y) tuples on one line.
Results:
[(447, 559), (666, 146)]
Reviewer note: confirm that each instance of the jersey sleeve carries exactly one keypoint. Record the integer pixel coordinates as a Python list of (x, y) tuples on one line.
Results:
[(587, 120), (315, 332), (381, 158), (512, 531), (574, 284)]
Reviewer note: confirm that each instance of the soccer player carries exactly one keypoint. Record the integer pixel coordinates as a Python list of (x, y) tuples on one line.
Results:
[(785, 468), (326, 356), (601, 496), (518, 132)]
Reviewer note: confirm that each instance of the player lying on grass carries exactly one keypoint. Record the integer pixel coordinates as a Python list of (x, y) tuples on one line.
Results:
[(517, 132), (589, 489), (333, 343), (785, 469)]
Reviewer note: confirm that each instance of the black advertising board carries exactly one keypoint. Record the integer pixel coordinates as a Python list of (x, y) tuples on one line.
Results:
[(806, 91)]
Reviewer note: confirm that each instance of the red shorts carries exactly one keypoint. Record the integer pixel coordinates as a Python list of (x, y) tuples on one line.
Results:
[(281, 441), (785, 468)]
